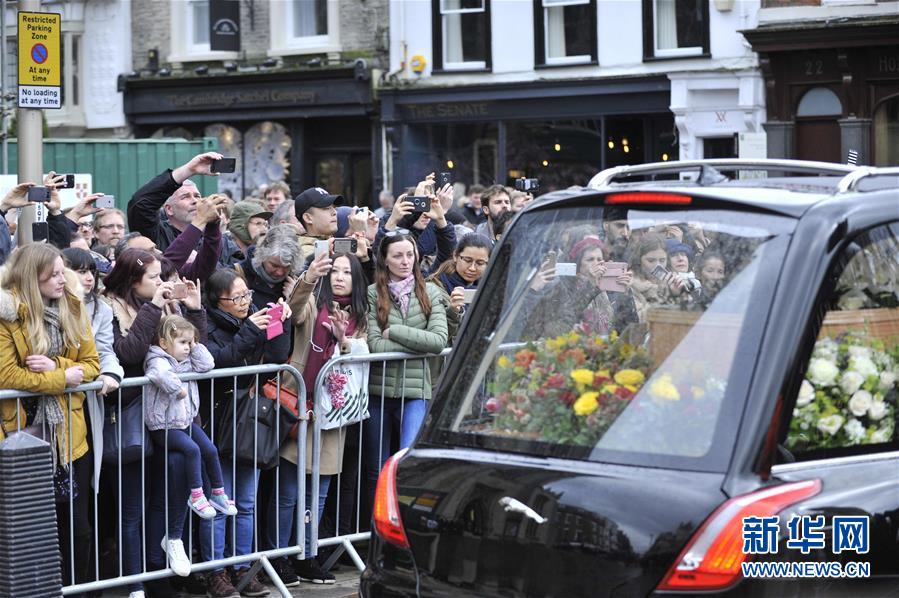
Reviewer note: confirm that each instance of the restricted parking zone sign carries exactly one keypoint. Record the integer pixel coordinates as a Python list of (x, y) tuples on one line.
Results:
[(40, 72)]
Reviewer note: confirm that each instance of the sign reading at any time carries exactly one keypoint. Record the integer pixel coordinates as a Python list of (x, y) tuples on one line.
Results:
[(40, 72)]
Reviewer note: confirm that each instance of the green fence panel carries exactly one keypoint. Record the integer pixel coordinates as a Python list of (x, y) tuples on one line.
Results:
[(120, 166)]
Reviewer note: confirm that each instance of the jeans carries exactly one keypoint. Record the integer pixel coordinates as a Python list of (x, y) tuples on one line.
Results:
[(132, 503), (242, 489), (197, 449), (162, 522), (280, 526), (75, 548), (377, 431)]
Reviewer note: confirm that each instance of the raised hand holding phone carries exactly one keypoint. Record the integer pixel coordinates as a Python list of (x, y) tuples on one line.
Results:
[(275, 325)]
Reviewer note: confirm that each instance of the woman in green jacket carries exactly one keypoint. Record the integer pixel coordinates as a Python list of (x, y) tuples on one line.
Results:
[(409, 315)]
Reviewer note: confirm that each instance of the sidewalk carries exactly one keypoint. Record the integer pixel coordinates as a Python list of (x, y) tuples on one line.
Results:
[(347, 586)]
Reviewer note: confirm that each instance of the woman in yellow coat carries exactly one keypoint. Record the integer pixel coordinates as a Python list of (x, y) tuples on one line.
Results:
[(46, 346)]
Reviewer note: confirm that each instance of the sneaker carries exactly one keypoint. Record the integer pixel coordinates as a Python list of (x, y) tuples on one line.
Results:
[(137, 594), (219, 586), (253, 588), (285, 572), (310, 570), (223, 504), (201, 507), (178, 560)]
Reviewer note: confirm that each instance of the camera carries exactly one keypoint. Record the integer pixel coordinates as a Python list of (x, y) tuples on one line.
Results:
[(692, 283), (224, 166), (69, 182), (420, 204), (444, 179), (345, 245), (179, 291), (527, 185), (41, 194)]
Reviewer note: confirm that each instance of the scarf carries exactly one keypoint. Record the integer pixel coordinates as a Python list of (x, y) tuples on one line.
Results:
[(401, 290), (47, 410), (323, 342), (453, 280), (122, 312)]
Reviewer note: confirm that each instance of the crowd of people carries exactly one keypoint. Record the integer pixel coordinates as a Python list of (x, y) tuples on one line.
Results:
[(182, 283)]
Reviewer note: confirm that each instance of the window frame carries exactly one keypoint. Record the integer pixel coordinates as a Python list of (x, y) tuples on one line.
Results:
[(541, 60), (182, 47), (650, 53), (284, 43), (437, 40)]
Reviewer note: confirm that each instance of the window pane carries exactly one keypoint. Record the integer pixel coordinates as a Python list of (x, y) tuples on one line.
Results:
[(200, 15), (886, 133), (568, 31), (849, 394), (465, 37), (450, 5), (310, 17), (679, 24), (74, 67)]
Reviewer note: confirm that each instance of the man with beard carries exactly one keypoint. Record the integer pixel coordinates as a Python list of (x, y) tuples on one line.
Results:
[(617, 232), (495, 202)]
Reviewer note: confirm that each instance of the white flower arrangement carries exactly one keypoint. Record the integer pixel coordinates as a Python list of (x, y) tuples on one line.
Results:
[(849, 395)]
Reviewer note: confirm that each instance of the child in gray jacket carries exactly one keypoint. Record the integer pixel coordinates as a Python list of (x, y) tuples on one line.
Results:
[(171, 407)]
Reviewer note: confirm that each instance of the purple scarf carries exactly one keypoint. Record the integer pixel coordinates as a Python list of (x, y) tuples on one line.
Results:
[(401, 290), (323, 342)]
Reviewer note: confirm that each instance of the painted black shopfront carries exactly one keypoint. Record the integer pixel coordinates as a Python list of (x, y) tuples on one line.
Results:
[(561, 132), (327, 115)]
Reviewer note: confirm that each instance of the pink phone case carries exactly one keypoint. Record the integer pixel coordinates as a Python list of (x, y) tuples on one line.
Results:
[(608, 282), (275, 326)]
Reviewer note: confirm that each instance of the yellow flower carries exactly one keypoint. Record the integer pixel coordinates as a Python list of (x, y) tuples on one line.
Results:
[(630, 377), (582, 377), (664, 388), (573, 337), (503, 361), (599, 341), (697, 392), (610, 388), (586, 403), (556, 343), (631, 388), (613, 336), (604, 373)]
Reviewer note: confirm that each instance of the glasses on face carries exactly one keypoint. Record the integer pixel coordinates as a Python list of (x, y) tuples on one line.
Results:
[(112, 226), (468, 261), (240, 299), (85, 225), (399, 231)]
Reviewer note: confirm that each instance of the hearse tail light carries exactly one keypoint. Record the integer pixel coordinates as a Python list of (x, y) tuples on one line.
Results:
[(649, 197), (712, 559), (386, 513)]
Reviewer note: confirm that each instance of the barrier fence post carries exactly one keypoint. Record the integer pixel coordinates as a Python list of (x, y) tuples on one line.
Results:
[(29, 543)]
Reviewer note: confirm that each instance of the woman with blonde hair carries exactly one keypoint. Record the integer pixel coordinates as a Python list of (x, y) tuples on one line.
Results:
[(46, 347)]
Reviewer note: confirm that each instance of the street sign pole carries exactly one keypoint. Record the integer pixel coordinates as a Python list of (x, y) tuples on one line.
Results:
[(4, 127), (39, 88)]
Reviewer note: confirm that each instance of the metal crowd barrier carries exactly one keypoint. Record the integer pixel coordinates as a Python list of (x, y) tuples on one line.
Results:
[(261, 552), (356, 531)]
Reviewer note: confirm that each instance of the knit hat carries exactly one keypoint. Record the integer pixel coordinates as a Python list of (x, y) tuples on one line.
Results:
[(673, 246), (240, 217), (343, 220), (588, 242)]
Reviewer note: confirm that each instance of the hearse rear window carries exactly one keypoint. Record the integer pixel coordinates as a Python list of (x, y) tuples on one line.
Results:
[(623, 335)]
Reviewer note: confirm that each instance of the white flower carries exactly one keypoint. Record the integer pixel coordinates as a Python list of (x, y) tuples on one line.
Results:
[(851, 382), (881, 435), (852, 300), (855, 431), (830, 424), (822, 372), (806, 394), (860, 402), (877, 410), (887, 380), (858, 351), (863, 366), (826, 348)]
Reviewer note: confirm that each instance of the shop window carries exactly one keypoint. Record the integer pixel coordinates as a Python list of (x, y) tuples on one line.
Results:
[(461, 32), (848, 398), (819, 101), (304, 27), (886, 133), (190, 33), (675, 28), (564, 32), (719, 147)]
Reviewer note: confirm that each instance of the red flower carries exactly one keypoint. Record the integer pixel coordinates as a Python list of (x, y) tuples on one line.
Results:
[(555, 381), (598, 380), (624, 393), (568, 397), (492, 405), (524, 358)]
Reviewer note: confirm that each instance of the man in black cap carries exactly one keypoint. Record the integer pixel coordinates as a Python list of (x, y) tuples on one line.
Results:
[(617, 232), (316, 210)]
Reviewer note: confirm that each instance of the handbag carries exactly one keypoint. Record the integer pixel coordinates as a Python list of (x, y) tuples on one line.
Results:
[(256, 436), (289, 400), (343, 394), (127, 426), (63, 491)]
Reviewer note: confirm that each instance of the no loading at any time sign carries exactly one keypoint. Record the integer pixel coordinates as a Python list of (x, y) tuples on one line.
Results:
[(40, 71)]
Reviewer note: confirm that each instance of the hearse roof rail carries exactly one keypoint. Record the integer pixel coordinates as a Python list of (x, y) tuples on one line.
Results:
[(850, 181)]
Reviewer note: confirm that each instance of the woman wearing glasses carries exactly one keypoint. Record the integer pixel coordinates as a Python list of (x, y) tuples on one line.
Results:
[(409, 315), (237, 337), (462, 273)]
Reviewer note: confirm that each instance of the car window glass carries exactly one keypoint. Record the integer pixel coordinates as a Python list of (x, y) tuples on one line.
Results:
[(848, 395), (614, 335)]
